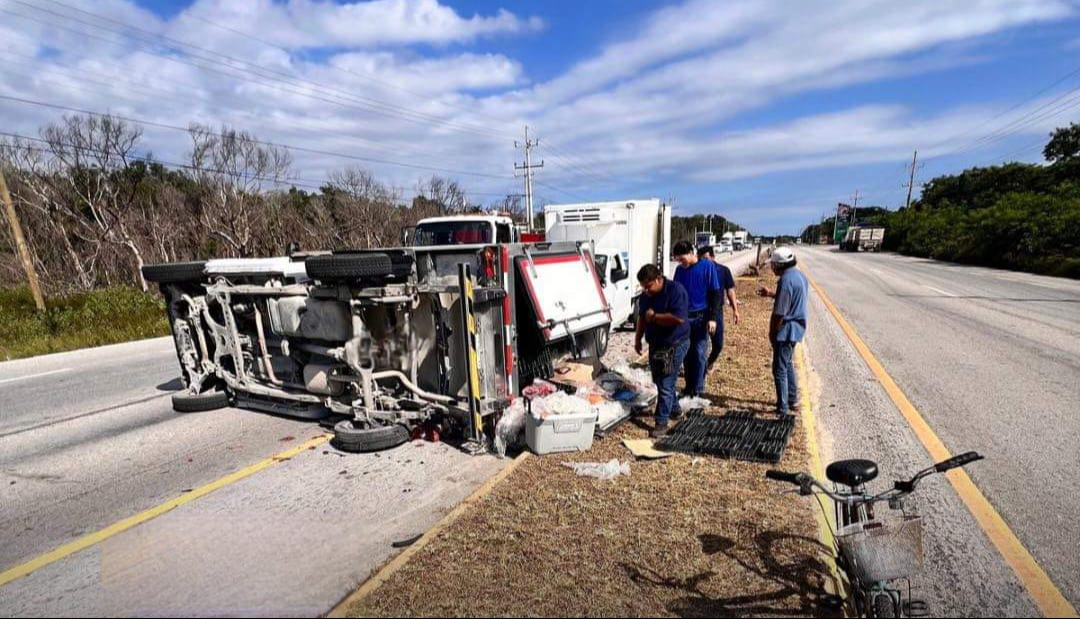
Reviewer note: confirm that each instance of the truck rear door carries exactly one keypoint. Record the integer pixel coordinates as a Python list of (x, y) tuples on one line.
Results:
[(565, 293)]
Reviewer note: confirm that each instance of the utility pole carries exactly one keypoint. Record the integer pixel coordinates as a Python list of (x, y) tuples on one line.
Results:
[(20, 242), (911, 180), (854, 208), (526, 171)]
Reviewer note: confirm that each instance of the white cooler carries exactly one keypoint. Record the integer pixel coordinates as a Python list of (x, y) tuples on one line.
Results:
[(560, 433)]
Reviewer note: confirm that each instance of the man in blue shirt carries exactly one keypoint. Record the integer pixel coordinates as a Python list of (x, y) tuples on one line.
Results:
[(663, 322), (702, 284), (727, 283), (787, 327)]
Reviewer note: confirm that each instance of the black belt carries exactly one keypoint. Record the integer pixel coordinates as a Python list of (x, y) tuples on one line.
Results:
[(697, 314)]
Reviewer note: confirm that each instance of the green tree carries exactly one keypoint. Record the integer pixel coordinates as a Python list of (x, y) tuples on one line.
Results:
[(1064, 144)]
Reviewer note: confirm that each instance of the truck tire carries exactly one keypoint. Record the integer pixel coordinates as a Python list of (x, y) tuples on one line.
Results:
[(174, 272), (202, 402), (601, 338), (347, 437), (401, 265), (349, 267)]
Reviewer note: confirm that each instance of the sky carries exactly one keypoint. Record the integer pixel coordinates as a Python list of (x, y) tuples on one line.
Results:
[(767, 112)]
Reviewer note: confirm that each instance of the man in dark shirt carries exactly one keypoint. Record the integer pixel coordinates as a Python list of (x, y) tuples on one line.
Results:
[(699, 278), (663, 320), (727, 283)]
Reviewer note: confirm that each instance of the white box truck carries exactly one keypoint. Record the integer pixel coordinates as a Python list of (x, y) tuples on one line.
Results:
[(626, 234)]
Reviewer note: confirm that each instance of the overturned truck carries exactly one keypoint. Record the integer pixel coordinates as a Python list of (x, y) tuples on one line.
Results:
[(384, 343)]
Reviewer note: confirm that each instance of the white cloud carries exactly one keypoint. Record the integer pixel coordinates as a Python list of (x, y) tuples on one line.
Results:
[(300, 24)]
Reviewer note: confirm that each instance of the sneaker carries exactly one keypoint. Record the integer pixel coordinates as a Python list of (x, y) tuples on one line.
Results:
[(659, 432), (676, 415)]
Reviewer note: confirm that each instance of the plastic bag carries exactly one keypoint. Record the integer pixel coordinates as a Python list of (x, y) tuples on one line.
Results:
[(560, 403), (690, 403), (511, 428), (609, 412), (600, 470)]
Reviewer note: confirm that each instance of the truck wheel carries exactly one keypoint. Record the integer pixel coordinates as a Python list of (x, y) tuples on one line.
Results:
[(349, 267), (174, 272), (210, 401), (601, 338), (348, 437), (401, 265)]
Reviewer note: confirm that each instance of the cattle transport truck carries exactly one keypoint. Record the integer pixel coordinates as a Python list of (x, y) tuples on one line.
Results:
[(382, 343), (627, 235)]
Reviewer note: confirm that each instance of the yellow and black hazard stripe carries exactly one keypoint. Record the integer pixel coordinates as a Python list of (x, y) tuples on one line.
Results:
[(472, 358)]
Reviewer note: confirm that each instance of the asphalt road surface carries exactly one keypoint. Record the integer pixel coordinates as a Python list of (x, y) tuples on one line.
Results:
[(89, 438), (992, 361)]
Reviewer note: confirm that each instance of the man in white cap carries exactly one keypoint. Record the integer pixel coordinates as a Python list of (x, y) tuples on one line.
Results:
[(787, 327)]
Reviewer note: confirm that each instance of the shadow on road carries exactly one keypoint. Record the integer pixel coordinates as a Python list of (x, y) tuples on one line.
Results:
[(173, 385)]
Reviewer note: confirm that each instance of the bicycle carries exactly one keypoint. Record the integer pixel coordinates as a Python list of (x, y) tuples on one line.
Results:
[(875, 553)]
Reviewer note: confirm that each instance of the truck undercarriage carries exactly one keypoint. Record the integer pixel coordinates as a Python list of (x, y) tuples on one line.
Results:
[(386, 340)]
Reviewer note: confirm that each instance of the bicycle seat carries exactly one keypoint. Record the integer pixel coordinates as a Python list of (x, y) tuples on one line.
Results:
[(852, 473)]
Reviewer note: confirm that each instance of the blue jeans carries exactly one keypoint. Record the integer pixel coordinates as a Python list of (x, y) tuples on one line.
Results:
[(717, 341), (783, 369), (665, 364), (697, 356)]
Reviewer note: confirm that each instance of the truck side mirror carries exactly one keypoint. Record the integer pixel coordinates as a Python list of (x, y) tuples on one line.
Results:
[(617, 275)]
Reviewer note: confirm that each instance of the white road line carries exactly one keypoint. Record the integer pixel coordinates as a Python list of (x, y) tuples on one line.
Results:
[(11, 380), (1027, 280), (939, 291)]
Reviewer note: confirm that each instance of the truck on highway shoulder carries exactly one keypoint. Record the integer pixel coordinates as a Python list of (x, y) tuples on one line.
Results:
[(627, 235), (383, 342), (866, 238)]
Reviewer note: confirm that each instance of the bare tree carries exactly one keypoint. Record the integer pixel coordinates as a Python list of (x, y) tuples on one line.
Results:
[(93, 152), (446, 195), (233, 167)]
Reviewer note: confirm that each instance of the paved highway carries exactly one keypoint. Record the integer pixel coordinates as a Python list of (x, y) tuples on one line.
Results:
[(992, 361), (89, 438)]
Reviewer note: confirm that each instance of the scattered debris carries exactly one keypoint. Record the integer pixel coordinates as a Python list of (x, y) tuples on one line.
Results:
[(286, 439), (405, 543), (643, 448), (601, 470), (690, 403)]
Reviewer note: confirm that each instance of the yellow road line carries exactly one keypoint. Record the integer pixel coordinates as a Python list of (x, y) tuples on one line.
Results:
[(817, 468), (97, 537), (400, 561), (1042, 590)]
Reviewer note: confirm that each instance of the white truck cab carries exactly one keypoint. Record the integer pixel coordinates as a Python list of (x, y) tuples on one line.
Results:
[(462, 230)]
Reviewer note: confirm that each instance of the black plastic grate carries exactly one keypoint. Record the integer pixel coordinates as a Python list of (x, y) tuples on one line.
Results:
[(738, 435)]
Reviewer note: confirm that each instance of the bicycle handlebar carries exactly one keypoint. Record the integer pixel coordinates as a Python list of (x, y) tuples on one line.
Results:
[(791, 478), (958, 461), (806, 482)]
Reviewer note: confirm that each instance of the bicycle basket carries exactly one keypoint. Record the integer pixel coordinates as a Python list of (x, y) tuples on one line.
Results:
[(877, 552)]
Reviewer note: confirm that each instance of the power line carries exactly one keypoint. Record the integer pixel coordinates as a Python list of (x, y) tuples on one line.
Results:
[(367, 103), (33, 72), (391, 109), (291, 147), (364, 76)]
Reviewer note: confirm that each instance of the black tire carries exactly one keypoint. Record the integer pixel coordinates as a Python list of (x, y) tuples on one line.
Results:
[(401, 265), (174, 272), (601, 338), (349, 267), (348, 437), (210, 401), (885, 606)]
